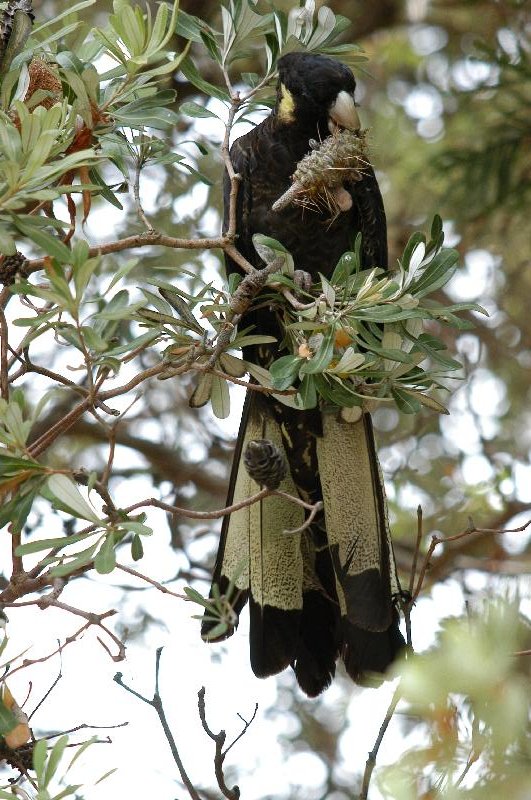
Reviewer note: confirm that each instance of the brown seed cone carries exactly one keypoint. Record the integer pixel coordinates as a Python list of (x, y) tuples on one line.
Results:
[(265, 463), (43, 76)]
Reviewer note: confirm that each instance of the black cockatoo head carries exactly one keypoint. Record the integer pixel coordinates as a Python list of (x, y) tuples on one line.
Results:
[(316, 89)]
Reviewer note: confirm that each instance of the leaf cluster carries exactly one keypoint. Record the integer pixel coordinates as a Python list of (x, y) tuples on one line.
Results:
[(362, 337)]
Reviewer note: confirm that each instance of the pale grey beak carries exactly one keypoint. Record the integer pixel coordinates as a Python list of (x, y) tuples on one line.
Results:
[(343, 113)]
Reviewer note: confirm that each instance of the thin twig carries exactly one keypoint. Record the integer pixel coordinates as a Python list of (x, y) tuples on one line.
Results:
[(156, 703), (91, 617), (29, 662), (156, 584), (246, 725), (219, 757), (469, 531), (308, 521), (371, 760), (136, 188), (147, 239), (4, 347)]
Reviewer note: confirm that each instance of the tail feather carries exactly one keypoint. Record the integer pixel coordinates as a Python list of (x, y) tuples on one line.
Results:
[(325, 592)]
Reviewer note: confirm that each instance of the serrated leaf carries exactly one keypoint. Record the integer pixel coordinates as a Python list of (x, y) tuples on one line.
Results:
[(191, 73), (66, 491)]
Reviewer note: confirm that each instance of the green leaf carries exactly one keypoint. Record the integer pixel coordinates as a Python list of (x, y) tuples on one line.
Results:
[(414, 241), (136, 527), (232, 366), (182, 309), (196, 597), (191, 73), (307, 394), (66, 491), (81, 559), (50, 244), (49, 544), (343, 269), (320, 361), (137, 548), (426, 400), (54, 759), (39, 759), (219, 397), (11, 465), (437, 273), (189, 27), (201, 394), (404, 401), (192, 109), (105, 560), (284, 371), (8, 720), (158, 117), (247, 340)]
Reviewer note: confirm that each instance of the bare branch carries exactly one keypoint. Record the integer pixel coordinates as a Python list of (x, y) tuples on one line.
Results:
[(156, 703), (469, 531), (219, 757), (371, 760)]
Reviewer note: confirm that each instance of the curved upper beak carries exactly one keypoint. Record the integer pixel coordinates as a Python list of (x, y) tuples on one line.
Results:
[(343, 113)]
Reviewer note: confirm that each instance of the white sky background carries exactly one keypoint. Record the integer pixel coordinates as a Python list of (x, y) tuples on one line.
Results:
[(266, 765)]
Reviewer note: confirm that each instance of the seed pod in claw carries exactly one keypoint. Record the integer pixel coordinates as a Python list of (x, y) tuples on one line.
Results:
[(320, 176)]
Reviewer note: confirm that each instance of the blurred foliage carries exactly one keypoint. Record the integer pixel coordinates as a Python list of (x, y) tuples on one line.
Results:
[(91, 130), (472, 695)]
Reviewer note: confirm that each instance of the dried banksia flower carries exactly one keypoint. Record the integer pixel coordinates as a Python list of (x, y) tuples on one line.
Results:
[(319, 178), (265, 463), (43, 76), (10, 266)]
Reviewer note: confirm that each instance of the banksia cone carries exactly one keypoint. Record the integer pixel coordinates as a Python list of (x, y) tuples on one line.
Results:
[(265, 463), (320, 176), (10, 266), (43, 76)]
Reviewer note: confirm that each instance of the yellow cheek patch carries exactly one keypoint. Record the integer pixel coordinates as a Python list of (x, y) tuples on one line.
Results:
[(286, 108)]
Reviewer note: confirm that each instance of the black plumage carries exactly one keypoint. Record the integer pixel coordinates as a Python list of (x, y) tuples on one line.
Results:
[(327, 592)]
